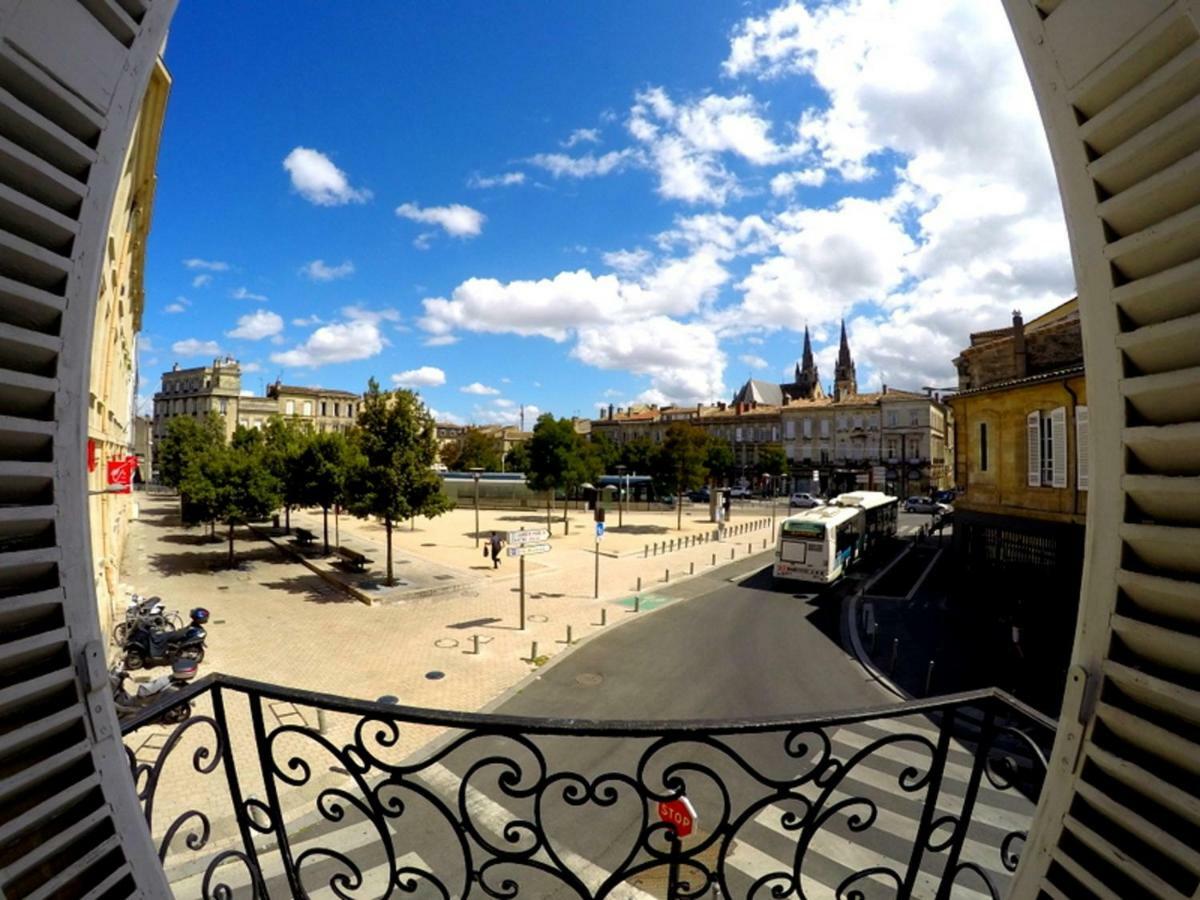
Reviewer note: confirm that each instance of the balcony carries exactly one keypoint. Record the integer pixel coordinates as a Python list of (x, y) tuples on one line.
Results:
[(263, 791)]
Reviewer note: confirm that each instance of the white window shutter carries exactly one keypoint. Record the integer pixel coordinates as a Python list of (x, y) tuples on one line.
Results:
[(1058, 437), (1081, 446), (1033, 434)]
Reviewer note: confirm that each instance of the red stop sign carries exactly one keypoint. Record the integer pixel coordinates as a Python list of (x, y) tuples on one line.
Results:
[(679, 814)]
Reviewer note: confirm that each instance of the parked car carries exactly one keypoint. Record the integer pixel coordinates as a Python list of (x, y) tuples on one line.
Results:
[(740, 493), (924, 505), (700, 496), (804, 501)]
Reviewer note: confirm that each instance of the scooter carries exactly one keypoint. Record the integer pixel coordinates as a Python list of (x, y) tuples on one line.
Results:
[(129, 705), (157, 647), (149, 611)]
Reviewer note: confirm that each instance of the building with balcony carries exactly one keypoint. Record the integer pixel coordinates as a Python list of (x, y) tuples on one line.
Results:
[(112, 414)]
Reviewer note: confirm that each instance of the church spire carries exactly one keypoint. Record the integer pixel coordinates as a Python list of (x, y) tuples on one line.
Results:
[(845, 382), (807, 384), (808, 355)]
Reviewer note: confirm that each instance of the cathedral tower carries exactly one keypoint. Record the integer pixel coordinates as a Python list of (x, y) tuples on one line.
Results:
[(845, 382)]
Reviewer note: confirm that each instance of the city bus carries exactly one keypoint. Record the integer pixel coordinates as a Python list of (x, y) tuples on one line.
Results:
[(821, 544)]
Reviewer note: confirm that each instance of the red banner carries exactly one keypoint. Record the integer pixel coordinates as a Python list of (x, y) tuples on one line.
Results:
[(120, 473)]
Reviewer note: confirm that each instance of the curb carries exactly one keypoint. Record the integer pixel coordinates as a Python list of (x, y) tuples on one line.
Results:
[(850, 607)]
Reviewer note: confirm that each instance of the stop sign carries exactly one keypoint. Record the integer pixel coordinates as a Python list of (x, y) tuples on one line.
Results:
[(679, 814)]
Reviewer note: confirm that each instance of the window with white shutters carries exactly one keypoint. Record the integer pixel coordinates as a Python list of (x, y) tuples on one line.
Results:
[(1033, 445), (738, 435), (825, 428), (808, 428), (790, 429), (1081, 447), (1058, 445)]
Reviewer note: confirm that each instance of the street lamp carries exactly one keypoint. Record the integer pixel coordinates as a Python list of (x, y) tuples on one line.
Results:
[(771, 483), (475, 470), (621, 496)]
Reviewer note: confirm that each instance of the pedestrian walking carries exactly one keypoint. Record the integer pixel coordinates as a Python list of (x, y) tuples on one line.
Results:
[(496, 541)]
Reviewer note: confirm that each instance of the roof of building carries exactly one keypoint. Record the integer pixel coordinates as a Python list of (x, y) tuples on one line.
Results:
[(757, 391), (313, 392), (1018, 382)]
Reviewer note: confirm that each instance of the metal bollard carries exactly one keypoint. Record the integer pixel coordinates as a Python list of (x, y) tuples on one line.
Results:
[(321, 726), (667, 577), (603, 616), (731, 552), (714, 562), (637, 603), (639, 587), (645, 551), (750, 548), (533, 652), (569, 641), (928, 677), (691, 568), (475, 644), (764, 543), (895, 651)]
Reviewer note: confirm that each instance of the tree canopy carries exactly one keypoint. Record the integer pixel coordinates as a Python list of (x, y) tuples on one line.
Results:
[(681, 460), (230, 484), (558, 460), (186, 437), (397, 445), (323, 469), (476, 448)]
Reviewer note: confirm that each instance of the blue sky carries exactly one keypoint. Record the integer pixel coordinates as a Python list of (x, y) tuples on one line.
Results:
[(562, 207)]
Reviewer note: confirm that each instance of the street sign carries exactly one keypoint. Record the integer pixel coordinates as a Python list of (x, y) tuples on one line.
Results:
[(599, 530), (528, 549), (679, 814), (529, 536)]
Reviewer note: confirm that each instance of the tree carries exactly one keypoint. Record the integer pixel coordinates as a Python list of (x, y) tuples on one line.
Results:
[(187, 437), (323, 469), (284, 441), (475, 448), (718, 459), (231, 485), (639, 455), (394, 478), (681, 457), (558, 459), (248, 440), (607, 453), (771, 461), (517, 458)]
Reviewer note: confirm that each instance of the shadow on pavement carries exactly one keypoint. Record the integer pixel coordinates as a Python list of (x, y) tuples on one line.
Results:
[(216, 559), (194, 540), (313, 588)]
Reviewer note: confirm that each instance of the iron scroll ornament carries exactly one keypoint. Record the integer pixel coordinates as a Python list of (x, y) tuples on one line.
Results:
[(507, 808)]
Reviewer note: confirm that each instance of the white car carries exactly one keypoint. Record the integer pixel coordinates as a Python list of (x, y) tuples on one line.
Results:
[(925, 505), (804, 501)]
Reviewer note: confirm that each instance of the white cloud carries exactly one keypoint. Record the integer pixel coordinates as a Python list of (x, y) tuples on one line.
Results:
[(242, 293), (357, 337), (560, 165), (180, 304), (456, 219), (257, 325), (446, 418), (785, 183), (212, 265), (628, 262), (250, 368), (307, 321), (754, 362), (440, 340), (319, 181), (317, 270), (425, 376), (504, 179), (202, 280), (476, 388), (195, 347), (582, 136)]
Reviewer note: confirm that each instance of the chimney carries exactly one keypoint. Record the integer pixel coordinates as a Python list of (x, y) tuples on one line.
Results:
[(1019, 356), (739, 408)]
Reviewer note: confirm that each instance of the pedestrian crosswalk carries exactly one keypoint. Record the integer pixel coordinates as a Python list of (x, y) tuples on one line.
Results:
[(860, 837)]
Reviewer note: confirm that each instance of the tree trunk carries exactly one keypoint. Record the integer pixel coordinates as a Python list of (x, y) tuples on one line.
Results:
[(549, 507), (231, 543), (287, 518), (679, 508), (325, 516), (566, 509), (387, 524)]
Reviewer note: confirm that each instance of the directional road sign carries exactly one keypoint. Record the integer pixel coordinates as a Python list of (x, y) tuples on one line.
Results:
[(528, 549), (599, 530), (528, 536)]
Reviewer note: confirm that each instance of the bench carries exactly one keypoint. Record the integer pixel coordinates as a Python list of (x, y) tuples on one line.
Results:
[(304, 537), (353, 557)]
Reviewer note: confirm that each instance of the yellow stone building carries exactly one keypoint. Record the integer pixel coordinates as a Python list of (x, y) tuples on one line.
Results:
[(1021, 419), (118, 319)]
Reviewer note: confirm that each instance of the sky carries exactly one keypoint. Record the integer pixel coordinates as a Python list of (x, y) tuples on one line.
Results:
[(563, 206)]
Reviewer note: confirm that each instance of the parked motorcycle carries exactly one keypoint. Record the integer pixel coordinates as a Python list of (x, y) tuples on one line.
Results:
[(149, 611), (159, 647), (129, 705)]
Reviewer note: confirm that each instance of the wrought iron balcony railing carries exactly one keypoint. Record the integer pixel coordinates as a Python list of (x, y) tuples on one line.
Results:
[(265, 791)]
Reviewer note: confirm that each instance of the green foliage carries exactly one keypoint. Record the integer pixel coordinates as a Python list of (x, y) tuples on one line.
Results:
[(230, 484), (639, 455), (517, 458), (246, 439), (474, 449), (558, 457), (187, 437), (718, 459), (771, 461), (682, 456), (397, 446), (284, 440), (606, 452), (323, 469)]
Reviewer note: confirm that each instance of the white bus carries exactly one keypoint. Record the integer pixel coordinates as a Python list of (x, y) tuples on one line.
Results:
[(820, 544)]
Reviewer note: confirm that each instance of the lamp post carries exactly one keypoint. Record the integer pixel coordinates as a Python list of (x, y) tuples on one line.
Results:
[(621, 496), (475, 470), (771, 483)]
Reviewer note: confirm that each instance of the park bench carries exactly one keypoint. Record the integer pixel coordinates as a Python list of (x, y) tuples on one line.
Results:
[(353, 557), (304, 537)]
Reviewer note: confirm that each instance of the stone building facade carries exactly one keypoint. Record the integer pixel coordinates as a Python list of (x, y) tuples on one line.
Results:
[(112, 414)]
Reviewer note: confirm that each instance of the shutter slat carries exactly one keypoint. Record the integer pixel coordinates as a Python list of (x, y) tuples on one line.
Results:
[(1081, 447), (1033, 433), (1058, 438)]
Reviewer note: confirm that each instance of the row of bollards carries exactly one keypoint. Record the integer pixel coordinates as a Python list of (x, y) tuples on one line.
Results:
[(663, 547)]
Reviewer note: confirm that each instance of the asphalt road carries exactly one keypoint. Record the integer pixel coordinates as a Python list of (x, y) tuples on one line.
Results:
[(738, 648)]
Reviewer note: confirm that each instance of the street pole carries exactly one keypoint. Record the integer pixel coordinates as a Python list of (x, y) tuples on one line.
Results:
[(476, 474), (596, 590), (620, 498), (522, 593)]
